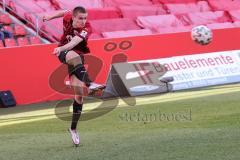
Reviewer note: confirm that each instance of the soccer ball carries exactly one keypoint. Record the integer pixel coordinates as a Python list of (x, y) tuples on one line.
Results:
[(201, 34)]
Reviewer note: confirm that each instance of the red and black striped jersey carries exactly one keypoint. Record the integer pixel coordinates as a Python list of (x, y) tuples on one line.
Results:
[(69, 32)]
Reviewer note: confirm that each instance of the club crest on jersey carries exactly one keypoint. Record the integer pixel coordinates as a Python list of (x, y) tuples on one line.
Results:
[(84, 33)]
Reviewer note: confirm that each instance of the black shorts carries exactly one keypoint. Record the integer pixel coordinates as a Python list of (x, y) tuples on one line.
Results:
[(62, 59)]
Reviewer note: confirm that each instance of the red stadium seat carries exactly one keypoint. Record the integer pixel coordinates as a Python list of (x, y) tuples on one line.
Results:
[(6, 1), (236, 24), (199, 18), (5, 19), (160, 21), (178, 29), (19, 30), (220, 5), (134, 11), (70, 4), (22, 41), (117, 3), (173, 1), (35, 40), (221, 25), (235, 15), (8, 28), (129, 33), (45, 5), (177, 8), (109, 25), (9, 42), (1, 44), (55, 4), (53, 28), (21, 7), (103, 13), (32, 17)]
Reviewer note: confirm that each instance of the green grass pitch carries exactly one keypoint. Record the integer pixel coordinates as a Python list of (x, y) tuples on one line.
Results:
[(188, 125)]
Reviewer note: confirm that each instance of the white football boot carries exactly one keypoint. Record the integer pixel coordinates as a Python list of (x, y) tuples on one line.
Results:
[(95, 87), (75, 137)]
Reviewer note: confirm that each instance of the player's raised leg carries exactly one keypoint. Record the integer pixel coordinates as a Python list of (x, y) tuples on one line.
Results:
[(78, 69)]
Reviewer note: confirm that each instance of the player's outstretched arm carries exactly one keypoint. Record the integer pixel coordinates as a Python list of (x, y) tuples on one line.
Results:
[(70, 45), (56, 15)]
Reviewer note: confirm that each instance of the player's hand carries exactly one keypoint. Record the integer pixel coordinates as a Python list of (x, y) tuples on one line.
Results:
[(46, 18), (57, 51)]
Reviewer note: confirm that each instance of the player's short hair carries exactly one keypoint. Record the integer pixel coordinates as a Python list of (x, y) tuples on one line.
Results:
[(79, 9)]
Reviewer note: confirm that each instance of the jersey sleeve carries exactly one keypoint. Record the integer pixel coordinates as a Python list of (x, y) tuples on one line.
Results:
[(67, 16)]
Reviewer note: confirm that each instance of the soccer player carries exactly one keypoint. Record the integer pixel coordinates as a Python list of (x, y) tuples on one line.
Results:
[(70, 51)]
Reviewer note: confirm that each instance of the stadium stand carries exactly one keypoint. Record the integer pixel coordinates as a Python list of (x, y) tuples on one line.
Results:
[(34, 40), (8, 28), (159, 21), (203, 18), (117, 3), (1, 44), (128, 33), (224, 5), (5, 19), (236, 24), (178, 8), (10, 42), (126, 18), (70, 4), (118, 24), (173, 1), (53, 29), (221, 25), (103, 13), (22, 7), (22, 41), (235, 15), (134, 11), (19, 30), (15, 32), (165, 30)]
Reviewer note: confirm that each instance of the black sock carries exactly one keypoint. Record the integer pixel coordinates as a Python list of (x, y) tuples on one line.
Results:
[(77, 109)]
